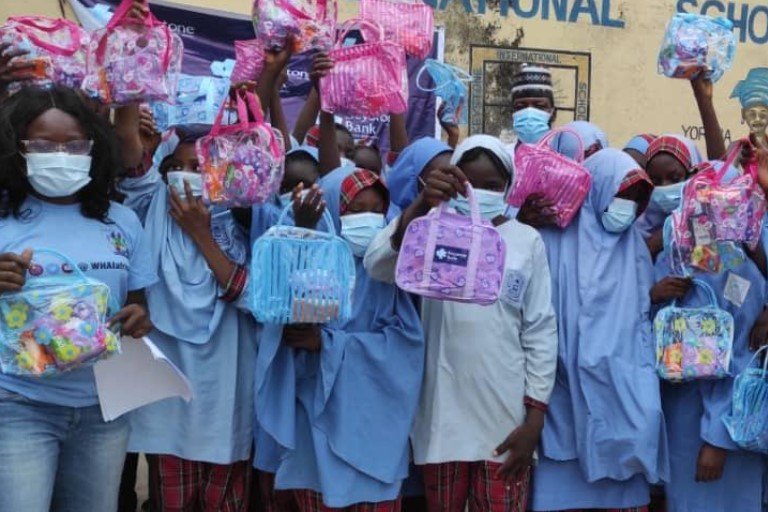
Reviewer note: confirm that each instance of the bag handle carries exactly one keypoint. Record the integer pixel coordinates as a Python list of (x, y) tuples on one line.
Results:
[(63, 257), (258, 113), (242, 114), (557, 131), (113, 304), (765, 360), (375, 28), (120, 15), (326, 217), (122, 11), (322, 8), (58, 23), (458, 74), (245, 103), (473, 207)]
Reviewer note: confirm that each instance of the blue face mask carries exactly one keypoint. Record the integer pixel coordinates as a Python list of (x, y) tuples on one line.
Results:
[(491, 204), (620, 215), (668, 197), (359, 229), (531, 124)]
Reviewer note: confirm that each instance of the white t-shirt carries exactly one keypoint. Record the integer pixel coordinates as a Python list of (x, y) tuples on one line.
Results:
[(482, 361)]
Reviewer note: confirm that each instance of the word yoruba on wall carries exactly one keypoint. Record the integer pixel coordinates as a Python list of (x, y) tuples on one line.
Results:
[(695, 132), (749, 21), (596, 12)]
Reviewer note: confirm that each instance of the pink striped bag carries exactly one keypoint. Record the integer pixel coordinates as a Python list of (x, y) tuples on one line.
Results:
[(133, 61), (409, 23), (249, 61), (540, 169), (368, 79), (448, 256), (58, 45)]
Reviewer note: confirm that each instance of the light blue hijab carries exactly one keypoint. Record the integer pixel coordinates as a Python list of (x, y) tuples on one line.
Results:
[(338, 422), (605, 410), (185, 301), (590, 135), (403, 176)]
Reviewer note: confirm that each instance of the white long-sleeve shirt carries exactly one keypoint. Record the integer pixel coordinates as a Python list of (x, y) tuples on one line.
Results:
[(482, 361)]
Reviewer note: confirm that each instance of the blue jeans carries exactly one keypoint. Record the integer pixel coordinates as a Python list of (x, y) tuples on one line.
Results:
[(58, 459)]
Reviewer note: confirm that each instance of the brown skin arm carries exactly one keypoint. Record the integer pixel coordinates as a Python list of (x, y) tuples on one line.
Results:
[(191, 214), (702, 90), (398, 135), (127, 121), (307, 116), (520, 445)]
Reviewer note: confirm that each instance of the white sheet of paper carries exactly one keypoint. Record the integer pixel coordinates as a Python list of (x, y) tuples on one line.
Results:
[(139, 376), (736, 289)]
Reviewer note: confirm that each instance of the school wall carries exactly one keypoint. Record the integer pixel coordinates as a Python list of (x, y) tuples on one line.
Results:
[(611, 78)]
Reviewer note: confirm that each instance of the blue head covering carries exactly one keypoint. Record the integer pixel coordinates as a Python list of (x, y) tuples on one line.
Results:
[(403, 176), (605, 410), (313, 152), (592, 139), (753, 90), (639, 143), (185, 301), (356, 398)]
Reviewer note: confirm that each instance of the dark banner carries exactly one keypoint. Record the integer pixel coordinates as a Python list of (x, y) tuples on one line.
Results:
[(208, 48)]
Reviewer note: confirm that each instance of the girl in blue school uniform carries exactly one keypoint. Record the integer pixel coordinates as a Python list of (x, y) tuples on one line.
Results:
[(603, 443), (201, 449), (335, 402), (708, 471)]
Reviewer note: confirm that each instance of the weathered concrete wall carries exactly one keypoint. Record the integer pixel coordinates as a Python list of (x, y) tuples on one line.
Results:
[(616, 43)]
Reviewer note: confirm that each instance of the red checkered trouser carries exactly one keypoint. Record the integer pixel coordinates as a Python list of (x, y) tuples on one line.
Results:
[(630, 509), (190, 486), (310, 501), (473, 486)]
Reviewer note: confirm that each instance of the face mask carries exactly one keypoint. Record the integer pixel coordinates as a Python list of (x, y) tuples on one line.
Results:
[(668, 197), (491, 204), (620, 215), (176, 179), (359, 229), (531, 124), (58, 174)]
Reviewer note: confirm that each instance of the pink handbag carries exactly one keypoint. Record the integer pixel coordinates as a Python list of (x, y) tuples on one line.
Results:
[(133, 61), (368, 79), (58, 45), (242, 163), (249, 61), (407, 23), (311, 23), (541, 170), (449, 256), (716, 216)]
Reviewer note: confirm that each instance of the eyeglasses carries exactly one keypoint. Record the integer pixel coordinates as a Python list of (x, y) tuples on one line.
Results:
[(73, 147)]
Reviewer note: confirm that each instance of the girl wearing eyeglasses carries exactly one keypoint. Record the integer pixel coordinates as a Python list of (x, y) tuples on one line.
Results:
[(59, 162)]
